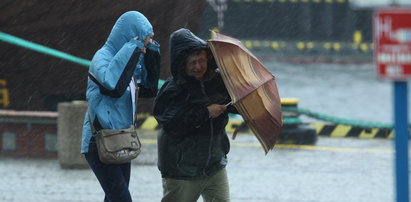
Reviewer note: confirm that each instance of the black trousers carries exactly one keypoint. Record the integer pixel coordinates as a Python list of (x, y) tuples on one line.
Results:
[(113, 178)]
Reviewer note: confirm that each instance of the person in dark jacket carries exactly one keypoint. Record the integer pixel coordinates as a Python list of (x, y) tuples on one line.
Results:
[(191, 109)]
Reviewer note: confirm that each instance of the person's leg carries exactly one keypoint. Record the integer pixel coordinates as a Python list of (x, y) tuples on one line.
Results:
[(119, 182), (113, 178), (217, 188), (126, 173), (182, 190)]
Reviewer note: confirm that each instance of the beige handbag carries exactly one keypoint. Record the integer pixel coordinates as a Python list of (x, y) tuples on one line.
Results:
[(117, 146)]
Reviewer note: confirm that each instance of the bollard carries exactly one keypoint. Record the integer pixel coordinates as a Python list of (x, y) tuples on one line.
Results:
[(69, 129), (294, 131), (291, 119)]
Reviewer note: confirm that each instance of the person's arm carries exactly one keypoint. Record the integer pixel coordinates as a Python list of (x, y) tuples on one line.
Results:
[(223, 90), (216, 110), (113, 73), (175, 114), (151, 64), (189, 116)]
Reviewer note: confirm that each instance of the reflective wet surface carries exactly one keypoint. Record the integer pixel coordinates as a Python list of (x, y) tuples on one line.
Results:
[(335, 169)]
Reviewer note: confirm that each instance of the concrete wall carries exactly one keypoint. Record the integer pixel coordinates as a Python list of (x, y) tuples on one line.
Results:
[(28, 134)]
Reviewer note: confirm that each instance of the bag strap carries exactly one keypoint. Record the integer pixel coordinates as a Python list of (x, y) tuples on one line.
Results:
[(93, 129), (135, 101)]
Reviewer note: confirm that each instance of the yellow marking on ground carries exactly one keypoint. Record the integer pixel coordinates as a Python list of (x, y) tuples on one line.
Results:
[(148, 141), (150, 123), (229, 127), (335, 149)]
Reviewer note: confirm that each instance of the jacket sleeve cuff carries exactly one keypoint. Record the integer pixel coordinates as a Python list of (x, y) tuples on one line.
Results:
[(138, 43), (154, 46)]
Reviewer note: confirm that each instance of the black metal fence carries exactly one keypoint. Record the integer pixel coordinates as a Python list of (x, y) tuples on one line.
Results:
[(316, 21)]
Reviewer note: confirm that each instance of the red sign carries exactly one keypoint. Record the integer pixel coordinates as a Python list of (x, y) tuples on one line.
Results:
[(392, 39)]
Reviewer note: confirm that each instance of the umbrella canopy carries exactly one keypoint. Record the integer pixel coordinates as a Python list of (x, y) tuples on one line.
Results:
[(251, 86)]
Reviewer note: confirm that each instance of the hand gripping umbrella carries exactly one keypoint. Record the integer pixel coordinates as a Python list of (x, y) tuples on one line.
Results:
[(251, 86)]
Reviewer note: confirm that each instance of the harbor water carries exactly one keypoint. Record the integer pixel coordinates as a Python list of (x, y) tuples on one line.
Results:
[(349, 91)]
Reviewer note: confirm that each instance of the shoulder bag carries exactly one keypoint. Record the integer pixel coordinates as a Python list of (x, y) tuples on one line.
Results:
[(117, 146)]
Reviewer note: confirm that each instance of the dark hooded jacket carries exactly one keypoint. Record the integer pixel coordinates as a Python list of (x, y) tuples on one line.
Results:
[(191, 145)]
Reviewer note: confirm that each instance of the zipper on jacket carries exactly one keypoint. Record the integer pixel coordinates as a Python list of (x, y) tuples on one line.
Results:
[(211, 137), (203, 88), (209, 146)]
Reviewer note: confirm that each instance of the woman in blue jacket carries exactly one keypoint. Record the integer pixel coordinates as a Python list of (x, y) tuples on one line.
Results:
[(129, 54)]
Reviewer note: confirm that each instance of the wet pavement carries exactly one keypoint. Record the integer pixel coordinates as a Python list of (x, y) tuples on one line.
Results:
[(334, 170)]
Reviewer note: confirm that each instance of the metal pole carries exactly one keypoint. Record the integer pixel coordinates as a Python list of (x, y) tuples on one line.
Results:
[(401, 140)]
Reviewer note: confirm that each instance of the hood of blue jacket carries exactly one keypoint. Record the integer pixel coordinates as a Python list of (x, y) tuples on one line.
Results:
[(128, 26)]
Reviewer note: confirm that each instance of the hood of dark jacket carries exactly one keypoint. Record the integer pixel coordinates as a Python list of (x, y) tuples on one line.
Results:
[(182, 43)]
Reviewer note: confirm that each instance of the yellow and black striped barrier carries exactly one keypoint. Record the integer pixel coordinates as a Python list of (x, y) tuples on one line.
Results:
[(293, 126), (322, 129), (338, 130), (147, 122)]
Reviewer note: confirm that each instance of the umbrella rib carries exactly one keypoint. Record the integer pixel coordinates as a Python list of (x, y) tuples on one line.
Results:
[(222, 64), (230, 83), (253, 91), (249, 60), (255, 131), (233, 44), (266, 142)]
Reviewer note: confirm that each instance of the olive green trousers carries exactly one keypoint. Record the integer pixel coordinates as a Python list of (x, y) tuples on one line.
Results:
[(213, 189)]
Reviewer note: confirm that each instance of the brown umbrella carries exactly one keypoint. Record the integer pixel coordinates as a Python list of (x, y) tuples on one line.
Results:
[(251, 87)]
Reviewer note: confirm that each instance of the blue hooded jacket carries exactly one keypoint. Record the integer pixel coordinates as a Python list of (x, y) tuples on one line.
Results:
[(110, 103)]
